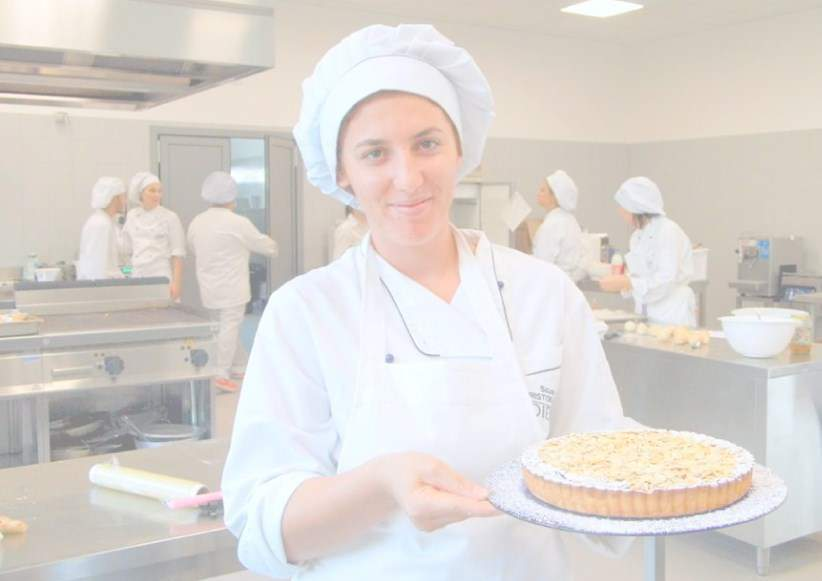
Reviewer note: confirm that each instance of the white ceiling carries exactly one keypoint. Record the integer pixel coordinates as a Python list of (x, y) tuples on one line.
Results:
[(660, 19)]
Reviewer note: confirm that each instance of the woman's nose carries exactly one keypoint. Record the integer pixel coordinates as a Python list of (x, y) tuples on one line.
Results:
[(407, 173)]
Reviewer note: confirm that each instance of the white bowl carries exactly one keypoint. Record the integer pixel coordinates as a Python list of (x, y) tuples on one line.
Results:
[(771, 312), (754, 336)]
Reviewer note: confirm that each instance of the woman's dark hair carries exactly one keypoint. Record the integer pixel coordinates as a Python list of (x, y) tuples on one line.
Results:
[(641, 220)]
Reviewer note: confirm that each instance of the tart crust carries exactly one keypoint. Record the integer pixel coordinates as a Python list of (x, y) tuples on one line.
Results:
[(587, 492)]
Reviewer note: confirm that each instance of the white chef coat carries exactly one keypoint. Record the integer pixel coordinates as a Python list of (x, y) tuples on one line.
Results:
[(558, 240), (99, 248), (299, 386), (348, 233), (222, 242), (660, 265), (152, 237)]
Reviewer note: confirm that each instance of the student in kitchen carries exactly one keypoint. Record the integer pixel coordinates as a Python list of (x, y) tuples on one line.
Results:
[(99, 247), (660, 260), (383, 388), (222, 242), (558, 240), (153, 235)]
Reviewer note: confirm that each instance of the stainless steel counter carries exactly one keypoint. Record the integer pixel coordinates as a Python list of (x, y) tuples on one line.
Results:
[(719, 351), (772, 407), (80, 531), (66, 331)]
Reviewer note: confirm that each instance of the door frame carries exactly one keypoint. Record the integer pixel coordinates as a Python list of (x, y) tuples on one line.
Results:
[(156, 131)]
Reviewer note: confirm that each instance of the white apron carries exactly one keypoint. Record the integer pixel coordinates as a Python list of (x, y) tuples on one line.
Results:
[(472, 413), (678, 308), (150, 250)]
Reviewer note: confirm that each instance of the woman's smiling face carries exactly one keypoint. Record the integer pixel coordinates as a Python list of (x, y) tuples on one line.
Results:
[(399, 155)]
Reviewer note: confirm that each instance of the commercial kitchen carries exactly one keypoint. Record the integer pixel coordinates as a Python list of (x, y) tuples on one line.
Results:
[(169, 215)]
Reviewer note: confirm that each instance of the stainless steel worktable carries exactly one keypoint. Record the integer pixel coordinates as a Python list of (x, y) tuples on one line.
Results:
[(772, 407), (80, 531), (88, 329)]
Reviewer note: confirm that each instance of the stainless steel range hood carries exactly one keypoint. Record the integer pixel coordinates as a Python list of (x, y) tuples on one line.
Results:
[(128, 54)]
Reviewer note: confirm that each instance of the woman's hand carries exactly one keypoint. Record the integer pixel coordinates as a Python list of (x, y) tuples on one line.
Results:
[(615, 283), (430, 492)]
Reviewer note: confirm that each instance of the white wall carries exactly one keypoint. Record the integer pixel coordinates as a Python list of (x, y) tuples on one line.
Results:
[(46, 174), (756, 77)]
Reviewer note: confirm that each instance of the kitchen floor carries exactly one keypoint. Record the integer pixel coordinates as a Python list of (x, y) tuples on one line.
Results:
[(704, 556)]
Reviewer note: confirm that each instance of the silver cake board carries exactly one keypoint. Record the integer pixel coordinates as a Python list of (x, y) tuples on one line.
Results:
[(508, 493)]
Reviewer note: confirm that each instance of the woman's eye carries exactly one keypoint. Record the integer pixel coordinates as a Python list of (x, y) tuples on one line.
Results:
[(373, 154), (429, 144)]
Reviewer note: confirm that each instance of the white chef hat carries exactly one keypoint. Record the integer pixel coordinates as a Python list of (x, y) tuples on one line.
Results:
[(138, 183), (564, 189), (104, 190), (219, 188), (412, 58), (640, 196)]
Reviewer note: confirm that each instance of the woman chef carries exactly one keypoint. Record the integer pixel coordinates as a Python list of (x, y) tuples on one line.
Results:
[(153, 234), (558, 240), (660, 261), (384, 387)]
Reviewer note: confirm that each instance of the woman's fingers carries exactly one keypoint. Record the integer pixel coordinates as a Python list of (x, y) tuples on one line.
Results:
[(447, 479), (430, 509)]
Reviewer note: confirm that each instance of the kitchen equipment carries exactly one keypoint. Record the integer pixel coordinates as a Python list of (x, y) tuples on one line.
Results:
[(755, 336), (762, 261), (48, 274), (794, 285), (155, 435), (700, 256), (45, 61), (103, 345), (195, 501), (144, 483), (13, 323), (31, 265)]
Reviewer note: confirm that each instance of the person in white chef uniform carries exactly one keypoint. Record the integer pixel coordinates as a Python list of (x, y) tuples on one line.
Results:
[(558, 239), (222, 242), (660, 261), (383, 388), (153, 235), (99, 247)]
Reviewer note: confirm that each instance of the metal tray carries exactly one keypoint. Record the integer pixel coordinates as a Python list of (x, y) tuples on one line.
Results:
[(31, 326)]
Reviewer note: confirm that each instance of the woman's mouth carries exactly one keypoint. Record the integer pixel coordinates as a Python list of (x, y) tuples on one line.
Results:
[(412, 207)]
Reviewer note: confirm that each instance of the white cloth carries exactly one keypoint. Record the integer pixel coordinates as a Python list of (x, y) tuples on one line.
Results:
[(660, 265), (139, 182), (558, 240), (99, 250), (219, 188), (222, 242), (151, 238), (105, 190), (231, 355), (640, 196), (299, 393), (565, 190), (348, 233), (413, 58)]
